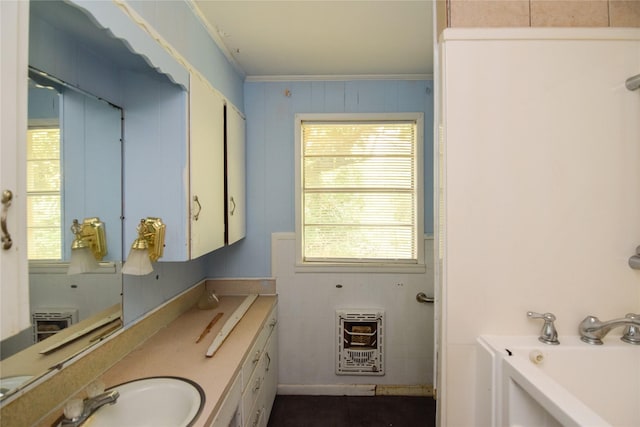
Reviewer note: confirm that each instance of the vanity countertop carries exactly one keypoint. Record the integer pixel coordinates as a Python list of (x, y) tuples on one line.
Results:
[(173, 351)]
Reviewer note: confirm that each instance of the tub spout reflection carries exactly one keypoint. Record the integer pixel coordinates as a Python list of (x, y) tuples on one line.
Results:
[(592, 329)]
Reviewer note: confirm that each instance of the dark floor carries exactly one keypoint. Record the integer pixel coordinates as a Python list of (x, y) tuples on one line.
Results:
[(353, 411)]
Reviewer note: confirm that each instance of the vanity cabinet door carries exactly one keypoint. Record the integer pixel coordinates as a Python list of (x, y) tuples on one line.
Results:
[(236, 170), (206, 168), (260, 376), (14, 296), (270, 375), (265, 381), (227, 415)]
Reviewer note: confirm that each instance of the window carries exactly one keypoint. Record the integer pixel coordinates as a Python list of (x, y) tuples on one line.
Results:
[(359, 189), (44, 206)]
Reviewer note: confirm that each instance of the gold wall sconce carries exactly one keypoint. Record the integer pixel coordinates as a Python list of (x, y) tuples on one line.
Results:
[(147, 248), (88, 247)]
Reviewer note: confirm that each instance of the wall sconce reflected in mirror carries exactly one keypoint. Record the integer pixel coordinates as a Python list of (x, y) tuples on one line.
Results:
[(148, 247), (88, 247)]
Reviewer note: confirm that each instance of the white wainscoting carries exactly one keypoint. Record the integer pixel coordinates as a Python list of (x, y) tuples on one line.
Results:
[(306, 324)]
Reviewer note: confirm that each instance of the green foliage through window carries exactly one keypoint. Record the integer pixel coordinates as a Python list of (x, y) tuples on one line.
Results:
[(359, 195), (44, 203)]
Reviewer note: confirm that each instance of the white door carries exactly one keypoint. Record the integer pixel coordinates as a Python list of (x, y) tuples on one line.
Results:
[(14, 296)]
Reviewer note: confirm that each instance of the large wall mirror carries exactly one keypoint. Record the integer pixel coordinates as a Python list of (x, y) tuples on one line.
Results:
[(74, 171)]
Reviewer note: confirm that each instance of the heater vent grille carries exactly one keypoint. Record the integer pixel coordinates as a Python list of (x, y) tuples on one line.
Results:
[(360, 348), (49, 321)]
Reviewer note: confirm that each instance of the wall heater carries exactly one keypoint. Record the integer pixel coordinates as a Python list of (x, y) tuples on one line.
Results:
[(360, 342)]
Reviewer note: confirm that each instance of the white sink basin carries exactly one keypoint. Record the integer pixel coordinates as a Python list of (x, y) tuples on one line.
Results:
[(153, 402)]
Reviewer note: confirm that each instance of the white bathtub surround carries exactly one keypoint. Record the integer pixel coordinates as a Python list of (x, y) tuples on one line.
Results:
[(541, 188), (574, 384)]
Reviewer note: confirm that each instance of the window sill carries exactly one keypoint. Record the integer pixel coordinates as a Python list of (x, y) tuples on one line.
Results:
[(61, 267), (326, 267)]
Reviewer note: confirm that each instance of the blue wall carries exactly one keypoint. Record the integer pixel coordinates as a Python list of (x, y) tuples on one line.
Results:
[(270, 155), (270, 148)]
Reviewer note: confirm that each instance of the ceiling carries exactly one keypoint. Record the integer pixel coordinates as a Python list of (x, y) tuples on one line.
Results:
[(267, 38)]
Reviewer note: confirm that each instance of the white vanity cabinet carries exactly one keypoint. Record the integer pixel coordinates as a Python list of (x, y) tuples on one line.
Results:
[(260, 376), (206, 168), (229, 413), (249, 400)]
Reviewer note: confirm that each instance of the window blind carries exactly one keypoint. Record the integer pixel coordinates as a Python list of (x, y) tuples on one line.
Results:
[(359, 191), (44, 209)]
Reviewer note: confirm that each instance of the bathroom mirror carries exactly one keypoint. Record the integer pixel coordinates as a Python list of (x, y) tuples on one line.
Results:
[(74, 171)]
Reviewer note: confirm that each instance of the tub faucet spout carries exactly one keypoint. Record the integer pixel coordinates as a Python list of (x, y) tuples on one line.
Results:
[(592, 329)]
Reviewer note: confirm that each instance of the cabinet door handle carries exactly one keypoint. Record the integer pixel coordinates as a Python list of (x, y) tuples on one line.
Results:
[(268, 361), (233, 209), (196, 215), (7, 196), (256, 357), (256, 387), (257, 420)]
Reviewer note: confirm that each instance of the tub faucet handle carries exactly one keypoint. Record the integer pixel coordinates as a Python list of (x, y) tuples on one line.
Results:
[(548, 334), (631, 333)]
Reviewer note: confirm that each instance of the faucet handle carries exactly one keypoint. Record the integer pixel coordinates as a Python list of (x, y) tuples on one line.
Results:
[(73, 409), (546, 316), (631, 333), (548, 334)]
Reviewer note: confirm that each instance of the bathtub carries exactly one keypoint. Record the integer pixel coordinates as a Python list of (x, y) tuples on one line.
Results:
[(522, 382)]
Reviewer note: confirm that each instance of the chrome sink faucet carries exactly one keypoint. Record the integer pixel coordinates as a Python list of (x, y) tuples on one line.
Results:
[(76, 416), (592, 329)]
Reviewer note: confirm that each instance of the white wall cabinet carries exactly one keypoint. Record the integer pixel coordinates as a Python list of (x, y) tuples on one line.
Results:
[(206, 168), (216, 170), (235, 175), (14, 297)]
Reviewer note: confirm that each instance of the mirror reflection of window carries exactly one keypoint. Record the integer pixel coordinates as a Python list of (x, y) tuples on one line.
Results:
[(44, 209), (44, 183)]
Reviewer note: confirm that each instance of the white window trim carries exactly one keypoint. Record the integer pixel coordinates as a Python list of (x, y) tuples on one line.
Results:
[(368, 267)]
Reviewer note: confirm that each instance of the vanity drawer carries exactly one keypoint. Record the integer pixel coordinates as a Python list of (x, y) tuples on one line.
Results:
[(258, 397), (254, 355), (252, 392), (257, 417)]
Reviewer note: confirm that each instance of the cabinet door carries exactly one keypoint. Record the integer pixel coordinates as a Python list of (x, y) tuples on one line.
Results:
[(14, 296), (206, 154), (227, 415), (236, 181), (270, 387)]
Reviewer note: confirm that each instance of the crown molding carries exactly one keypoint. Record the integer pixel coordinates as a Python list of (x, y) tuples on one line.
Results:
[(344, 77)]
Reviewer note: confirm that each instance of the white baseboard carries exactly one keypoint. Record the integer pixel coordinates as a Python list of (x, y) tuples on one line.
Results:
[(404, 390), (328, 389), (355, 390)]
